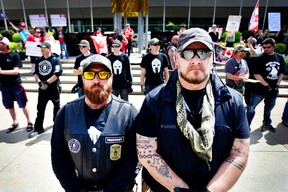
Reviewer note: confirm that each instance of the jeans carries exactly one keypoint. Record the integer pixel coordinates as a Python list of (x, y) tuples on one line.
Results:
[(285, 112), (52, 93), (63, 47), (122, 92), (150, 88), (269, 103)]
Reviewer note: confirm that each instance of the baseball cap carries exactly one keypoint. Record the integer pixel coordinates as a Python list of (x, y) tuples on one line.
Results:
[(194, 35), (154, 41), (44, 44), (116, 42), (5, 40), (37, 30), (96, 59), (239, 48), (84, 43)]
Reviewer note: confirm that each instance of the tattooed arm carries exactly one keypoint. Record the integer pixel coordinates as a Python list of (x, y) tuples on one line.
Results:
[(232, 168), (155, 165)]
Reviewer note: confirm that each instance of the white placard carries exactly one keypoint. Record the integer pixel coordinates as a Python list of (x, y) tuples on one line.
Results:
[(274, 21), (38, 20), (233, 23), (58, 20), (33, 50)]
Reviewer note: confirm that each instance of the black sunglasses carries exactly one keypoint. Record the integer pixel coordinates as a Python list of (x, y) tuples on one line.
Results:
[(189, 54), (115, 46), (81, 47)]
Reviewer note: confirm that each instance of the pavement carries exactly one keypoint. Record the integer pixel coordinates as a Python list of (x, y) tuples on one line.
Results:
[(25, 163)]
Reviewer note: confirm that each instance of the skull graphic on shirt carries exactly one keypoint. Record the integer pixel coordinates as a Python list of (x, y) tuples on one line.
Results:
[(156, 65), (117, 67)]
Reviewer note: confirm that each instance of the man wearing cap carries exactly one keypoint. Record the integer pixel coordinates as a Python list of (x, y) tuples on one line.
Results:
[(93, 141), (122, 78), (192, 133), (36, 37), (23, 32), (48, 69), (84, 47), (11, 84), (154, 67), (236, 70), (128, 32)]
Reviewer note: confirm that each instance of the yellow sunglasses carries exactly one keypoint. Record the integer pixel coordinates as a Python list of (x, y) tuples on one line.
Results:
[(90, 75)]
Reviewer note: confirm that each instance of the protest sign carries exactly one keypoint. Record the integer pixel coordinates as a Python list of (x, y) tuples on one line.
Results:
[(274, 21), (38, 20), (58, 20), (233, 23)]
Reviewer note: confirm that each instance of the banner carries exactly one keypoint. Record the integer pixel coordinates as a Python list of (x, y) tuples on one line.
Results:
[(38, 20), (33, 50), (233, 23), (58, 20), (100, 44), (254, 21), (222, 54), (274, 21)]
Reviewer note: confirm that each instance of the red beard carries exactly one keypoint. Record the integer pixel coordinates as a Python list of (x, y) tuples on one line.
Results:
[(98, 94)]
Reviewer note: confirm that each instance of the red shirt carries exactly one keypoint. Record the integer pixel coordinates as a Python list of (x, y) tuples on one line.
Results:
[(128, 33)]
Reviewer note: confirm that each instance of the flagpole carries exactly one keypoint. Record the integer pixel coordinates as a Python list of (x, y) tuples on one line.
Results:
[(265, 14), (24, 14), (240, 11), (3, 10), (189, 14), (214, 13)]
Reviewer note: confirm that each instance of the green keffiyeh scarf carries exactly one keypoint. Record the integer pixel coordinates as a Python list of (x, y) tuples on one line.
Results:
[(201, 140)]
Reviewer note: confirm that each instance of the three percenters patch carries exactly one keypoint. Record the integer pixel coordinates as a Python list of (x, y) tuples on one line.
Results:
[(115, 152)]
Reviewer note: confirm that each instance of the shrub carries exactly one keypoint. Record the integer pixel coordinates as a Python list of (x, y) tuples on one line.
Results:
[(280, 48), (16, 38), (7, 33)]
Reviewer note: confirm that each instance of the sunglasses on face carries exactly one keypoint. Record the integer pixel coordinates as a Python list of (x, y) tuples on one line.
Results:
[(90, 75), (115, 46), (203, 54), (82, 47)]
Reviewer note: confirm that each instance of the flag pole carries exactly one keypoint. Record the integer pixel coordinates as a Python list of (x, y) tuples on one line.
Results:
[(265, 14)]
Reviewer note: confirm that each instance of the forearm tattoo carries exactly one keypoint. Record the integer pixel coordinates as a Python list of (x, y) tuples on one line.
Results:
[(153, 160), (244, 151), (236, 163)]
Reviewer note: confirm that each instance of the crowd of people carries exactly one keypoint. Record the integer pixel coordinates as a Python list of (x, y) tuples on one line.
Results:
[(100, 141)]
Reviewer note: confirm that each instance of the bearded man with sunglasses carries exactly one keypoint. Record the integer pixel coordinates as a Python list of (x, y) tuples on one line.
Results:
[(93, 141), (192, 133)]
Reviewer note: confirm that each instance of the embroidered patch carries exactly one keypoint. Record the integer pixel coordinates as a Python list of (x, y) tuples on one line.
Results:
[(115, 152), (74, 145), (110, 140)]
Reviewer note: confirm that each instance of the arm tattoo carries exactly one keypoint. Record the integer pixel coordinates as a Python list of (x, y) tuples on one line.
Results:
[(153, 159), (242, 152), (236, 163)]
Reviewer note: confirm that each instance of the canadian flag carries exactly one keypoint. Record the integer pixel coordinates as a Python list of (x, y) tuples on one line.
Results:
[(253, 24)]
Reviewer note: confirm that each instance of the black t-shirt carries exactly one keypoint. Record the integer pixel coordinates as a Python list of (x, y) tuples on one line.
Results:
[(7, 62), (77, 65), (214, 36), (154, 65), (121, 70), (269, 67)]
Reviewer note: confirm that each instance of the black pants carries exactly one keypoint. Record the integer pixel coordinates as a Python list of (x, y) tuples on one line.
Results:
[(129, 47), (53, 94)]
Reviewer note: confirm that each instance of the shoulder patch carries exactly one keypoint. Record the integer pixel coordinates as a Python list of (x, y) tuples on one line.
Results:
[(74, 145)]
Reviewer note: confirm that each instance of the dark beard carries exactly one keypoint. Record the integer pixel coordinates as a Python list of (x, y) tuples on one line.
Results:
[(193, 81), (98, 96)]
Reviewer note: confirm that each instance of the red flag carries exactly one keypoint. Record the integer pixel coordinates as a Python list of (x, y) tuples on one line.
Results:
[(254, 21), (100, 44)]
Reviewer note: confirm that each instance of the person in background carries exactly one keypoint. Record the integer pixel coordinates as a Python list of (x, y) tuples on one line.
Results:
[(37, 37), (230, 39), (214, 34), (48, 69), (98, 32), (23, 32), (182, 29), (236, 69), (192, 133), (171, 51), (84, 47), (60, 36), (93, 140), (154, 67), (128, 33), (11, 85), (268, 68), (122, 77)]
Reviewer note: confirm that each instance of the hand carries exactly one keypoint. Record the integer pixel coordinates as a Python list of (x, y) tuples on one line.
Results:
[(44, 85), (130, 89), (143, 89), (268, 89), (276, 88)]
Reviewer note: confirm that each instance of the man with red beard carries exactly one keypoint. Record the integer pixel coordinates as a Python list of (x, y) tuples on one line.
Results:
[(93, 141), (192, 132)]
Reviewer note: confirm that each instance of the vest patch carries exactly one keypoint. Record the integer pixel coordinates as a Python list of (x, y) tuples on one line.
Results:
[(109, 140), (74, 145), (115, 152)]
